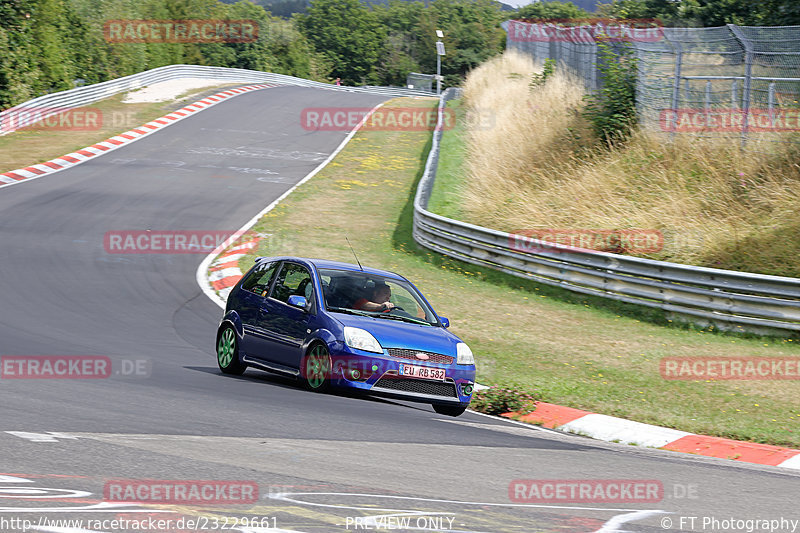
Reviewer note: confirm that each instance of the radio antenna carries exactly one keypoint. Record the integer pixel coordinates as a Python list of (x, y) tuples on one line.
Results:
[(354, 253)]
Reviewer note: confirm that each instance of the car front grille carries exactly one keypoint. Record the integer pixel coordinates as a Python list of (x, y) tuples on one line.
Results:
[(445, 389), (402, 353)]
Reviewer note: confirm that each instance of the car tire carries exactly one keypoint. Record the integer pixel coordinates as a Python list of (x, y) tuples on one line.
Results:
[(450, 410), (228, 352), (315, 370)]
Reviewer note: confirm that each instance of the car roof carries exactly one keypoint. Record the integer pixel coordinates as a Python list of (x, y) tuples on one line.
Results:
[(335, 265)]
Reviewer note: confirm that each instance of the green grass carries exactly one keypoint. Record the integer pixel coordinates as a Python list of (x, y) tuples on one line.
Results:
[(445, 197), (526, 336)]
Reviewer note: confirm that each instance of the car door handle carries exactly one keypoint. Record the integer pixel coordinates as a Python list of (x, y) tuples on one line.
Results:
[(262, 311)]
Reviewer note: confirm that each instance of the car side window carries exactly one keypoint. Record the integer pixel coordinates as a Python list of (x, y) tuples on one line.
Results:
[(293, 279), (258, 281)]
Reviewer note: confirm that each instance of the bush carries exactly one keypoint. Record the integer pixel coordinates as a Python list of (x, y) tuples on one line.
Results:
[(497, 401), (612, 109), (540, 78)]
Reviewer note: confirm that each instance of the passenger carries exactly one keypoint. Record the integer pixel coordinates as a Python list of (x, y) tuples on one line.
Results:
[(379, 300)]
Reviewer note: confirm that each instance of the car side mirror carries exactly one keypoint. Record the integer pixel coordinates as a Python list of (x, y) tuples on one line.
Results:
[(445, 322), (296, 300)]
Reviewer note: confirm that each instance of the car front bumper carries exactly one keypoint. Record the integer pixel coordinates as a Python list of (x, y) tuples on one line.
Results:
[(380, 374)]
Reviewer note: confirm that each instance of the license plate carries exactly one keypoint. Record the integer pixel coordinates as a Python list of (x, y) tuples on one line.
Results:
[(414, 371)]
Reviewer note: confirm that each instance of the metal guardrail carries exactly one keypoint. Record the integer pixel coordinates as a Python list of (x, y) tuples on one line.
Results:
[(729, 300), (55, 103)]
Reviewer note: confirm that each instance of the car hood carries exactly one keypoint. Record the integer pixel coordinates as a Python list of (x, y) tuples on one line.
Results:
[(397, 334)]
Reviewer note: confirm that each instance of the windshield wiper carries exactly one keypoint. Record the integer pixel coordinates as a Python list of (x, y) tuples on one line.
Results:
[(404, 319), (348, 311)]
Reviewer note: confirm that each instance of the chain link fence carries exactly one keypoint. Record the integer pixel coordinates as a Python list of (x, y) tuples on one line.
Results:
[(729, 82), (420, 82)]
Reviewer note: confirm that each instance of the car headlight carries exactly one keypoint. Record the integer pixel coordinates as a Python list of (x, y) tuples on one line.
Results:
[(361, 339), (464, 355)]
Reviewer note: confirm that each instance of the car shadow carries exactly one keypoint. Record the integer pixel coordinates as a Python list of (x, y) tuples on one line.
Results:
[(278, 380)]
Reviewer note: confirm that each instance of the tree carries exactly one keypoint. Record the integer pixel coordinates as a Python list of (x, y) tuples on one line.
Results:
[(780, 12), (472, 34), (668, 12), (707, 13), (551, 10), (348, 34)]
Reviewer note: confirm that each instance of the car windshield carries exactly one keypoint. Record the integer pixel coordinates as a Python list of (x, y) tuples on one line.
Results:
[(362, 293)]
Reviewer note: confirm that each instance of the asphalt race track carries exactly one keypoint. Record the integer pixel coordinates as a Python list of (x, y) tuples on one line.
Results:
[(320, 461)]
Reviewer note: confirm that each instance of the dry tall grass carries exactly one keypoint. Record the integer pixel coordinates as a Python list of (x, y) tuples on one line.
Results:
[(538, 167)]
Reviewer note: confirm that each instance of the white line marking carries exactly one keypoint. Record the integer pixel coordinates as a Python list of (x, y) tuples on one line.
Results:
[(284, 496), (224, 273), (22, 172), (614, 525), (14, 479), (202, 270), (223, 293), (102, 507), (227, 259), (266, 530), (529, 431), (50, 436), (516, 422), (791, 462), (612, 429), (41, 493)]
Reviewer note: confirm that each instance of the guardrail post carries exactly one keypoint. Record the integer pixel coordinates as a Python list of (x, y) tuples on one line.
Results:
[(771, 104), (676, 85), (748, 77)]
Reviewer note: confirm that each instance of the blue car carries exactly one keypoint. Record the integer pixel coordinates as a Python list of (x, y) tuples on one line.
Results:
[(336, 324)]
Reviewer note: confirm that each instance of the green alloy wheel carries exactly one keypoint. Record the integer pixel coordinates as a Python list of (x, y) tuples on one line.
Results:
[(228, 352), (317, 369)]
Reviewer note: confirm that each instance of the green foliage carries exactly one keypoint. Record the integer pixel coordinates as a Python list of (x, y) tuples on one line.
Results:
[(382, 44), (52, 45), (540, 78), (285, 8), (472, 34), (706, 13), (551, 10), (612, 109), (348, 34), (497, 401), (779, 12)]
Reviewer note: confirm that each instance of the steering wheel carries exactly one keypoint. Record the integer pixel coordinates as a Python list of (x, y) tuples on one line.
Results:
[(302, 287), (395, 308)]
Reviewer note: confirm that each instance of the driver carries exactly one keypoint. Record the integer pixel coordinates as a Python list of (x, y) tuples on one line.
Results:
[(379, 301)]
